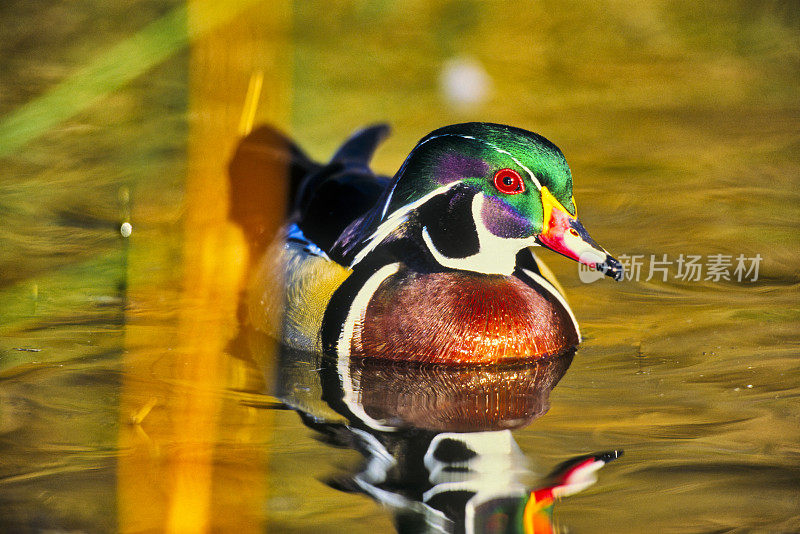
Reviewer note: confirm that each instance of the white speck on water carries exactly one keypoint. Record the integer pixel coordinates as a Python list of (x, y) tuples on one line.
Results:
[(126, 229), (464, 82)]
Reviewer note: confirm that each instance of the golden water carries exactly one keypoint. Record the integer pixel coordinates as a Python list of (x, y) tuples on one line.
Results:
[(126, 401)]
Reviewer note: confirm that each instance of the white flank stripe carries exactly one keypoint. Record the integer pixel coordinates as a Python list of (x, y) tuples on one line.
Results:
[(553, 291), (356, 314)]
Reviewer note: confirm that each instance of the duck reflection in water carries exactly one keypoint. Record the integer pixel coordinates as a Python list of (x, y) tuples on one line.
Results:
[(436, 440)]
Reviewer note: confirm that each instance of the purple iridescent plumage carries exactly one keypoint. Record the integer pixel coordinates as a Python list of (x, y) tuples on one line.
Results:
[(503, 220), (453, 166)]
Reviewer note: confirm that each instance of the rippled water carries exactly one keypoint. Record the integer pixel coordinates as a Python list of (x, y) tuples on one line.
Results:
[(130, 399)]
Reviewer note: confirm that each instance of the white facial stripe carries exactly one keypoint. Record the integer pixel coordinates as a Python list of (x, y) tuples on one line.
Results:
[(389, 199), (496, 255), (398, 217), (358, 310), (391, 192), (518, 162), (493, 147)]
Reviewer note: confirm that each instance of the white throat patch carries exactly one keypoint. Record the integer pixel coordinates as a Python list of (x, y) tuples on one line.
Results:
[(496, 255)]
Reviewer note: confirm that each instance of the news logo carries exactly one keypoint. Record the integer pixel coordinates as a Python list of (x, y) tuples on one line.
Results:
[(588, 274)]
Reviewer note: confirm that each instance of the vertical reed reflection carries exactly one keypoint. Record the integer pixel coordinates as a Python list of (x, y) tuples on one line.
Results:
[(187, 465)]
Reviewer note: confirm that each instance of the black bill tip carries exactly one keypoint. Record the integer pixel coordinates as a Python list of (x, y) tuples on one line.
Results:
[(608, 456), (612, 267)]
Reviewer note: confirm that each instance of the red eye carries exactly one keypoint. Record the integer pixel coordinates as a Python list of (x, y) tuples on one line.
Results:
[(508, 181)]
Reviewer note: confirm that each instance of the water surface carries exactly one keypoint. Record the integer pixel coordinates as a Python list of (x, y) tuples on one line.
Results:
[(127, 401)]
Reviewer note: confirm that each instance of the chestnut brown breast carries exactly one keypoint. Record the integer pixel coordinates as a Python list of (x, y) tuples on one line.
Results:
[(458, 318)]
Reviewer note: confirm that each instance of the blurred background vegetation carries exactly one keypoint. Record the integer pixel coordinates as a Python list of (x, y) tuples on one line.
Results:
[(680, 121)]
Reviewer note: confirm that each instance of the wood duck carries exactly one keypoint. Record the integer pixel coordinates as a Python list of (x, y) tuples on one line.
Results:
[(435, 264)]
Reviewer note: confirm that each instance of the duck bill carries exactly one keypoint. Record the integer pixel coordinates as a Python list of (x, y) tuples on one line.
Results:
[(563, 233)]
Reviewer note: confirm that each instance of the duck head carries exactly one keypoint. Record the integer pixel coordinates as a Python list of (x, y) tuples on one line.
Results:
[(479, 193)]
